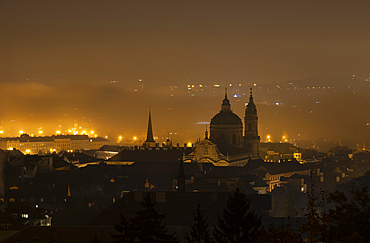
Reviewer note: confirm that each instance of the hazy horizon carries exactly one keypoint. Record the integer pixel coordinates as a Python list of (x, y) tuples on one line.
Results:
[(79, 64)]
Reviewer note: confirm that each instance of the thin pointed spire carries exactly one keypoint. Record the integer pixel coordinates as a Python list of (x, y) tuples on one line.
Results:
[(251, 107), (225, 92), (206, 133), (251, 98), (149, 135)]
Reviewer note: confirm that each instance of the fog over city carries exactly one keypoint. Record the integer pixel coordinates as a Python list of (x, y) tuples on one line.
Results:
[(99, 65)]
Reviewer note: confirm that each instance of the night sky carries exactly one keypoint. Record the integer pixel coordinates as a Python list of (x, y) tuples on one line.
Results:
[(58, 60)]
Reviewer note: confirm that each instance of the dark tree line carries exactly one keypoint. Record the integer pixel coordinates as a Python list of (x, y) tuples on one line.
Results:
[(239, 223), (332, 218), (337, 217)]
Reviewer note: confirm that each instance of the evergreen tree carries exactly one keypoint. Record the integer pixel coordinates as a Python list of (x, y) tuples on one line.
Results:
[(149, 224), (239, 223), (199, 229), (125, 230), (146, 227)]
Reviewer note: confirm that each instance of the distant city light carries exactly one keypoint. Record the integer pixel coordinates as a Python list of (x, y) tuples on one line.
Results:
[(135, 138), (1, 132), (58, 132), (92, 132), (277, 103), (216, 85), (21, 132), (189, 144), (237, 95), (40, 132)]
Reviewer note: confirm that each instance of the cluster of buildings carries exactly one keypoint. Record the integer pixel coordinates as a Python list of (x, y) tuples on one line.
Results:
[(49, 144), (92, 187)]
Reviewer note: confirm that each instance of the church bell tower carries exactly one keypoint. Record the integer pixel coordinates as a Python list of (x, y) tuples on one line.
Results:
[(251, 138)]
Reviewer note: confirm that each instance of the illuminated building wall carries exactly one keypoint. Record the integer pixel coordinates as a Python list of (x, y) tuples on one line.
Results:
[(35, 145)]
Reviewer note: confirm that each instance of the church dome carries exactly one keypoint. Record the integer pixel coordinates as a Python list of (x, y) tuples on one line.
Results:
[(226, 118)]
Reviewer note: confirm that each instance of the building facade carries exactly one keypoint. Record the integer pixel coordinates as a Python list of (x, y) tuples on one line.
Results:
[(49, 144)]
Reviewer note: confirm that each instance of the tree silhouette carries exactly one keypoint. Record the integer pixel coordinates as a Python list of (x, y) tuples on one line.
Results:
[(146, 227), (125, 230), (317, 223), (96, 239), (280, 233), (239, 223), (350, 219), (199, 229)]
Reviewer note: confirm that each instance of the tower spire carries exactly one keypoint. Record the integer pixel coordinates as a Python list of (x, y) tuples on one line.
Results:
[(251, 107), (251, 138), (149, 136), (225, 103)]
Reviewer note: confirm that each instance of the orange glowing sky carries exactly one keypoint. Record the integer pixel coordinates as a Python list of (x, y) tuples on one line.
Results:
[(58, 58)]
